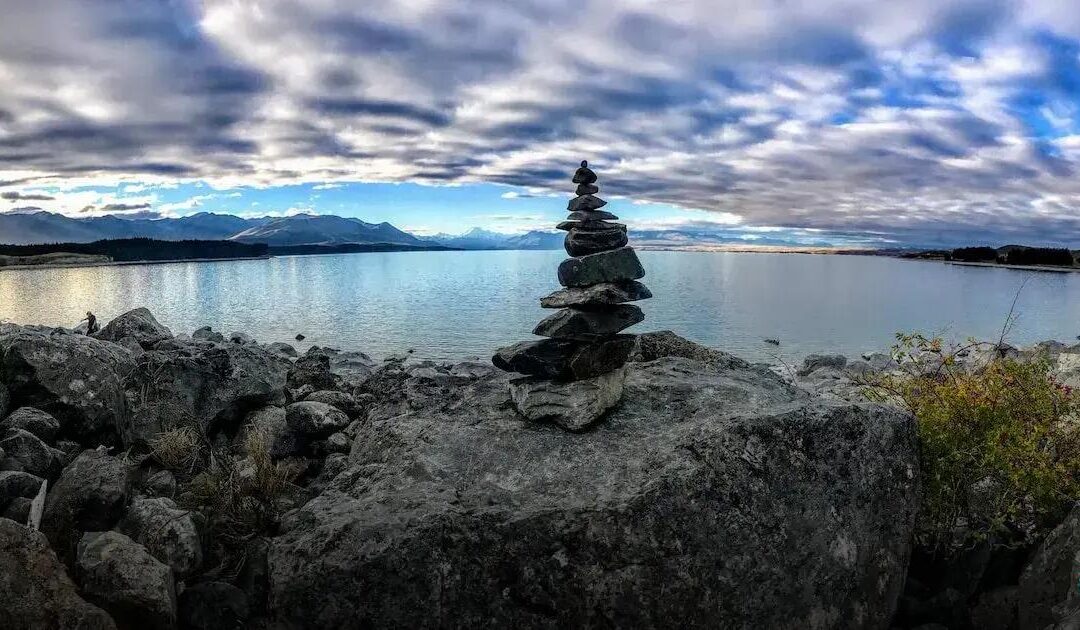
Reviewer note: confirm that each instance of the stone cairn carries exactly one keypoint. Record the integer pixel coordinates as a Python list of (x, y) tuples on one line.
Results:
[(575, 375)]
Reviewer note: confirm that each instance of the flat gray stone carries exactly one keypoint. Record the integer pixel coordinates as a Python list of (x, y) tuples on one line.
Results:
[(36, 421), (315, 418), (583, 243), (587, 189), (565, 359), (618, 265), (585, 202), (574, 406), (591, 215), (569, 323), (597, 295), (590, 225)]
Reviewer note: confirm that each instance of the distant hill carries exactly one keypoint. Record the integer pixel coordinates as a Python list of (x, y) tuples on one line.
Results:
[(478, 238), (28, 228), (129, 250), (310, 229)]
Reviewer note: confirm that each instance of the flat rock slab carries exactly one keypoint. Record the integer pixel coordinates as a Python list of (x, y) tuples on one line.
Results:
[(585, 203), (570, 323), (708, 498), (618, 265), (583, 243), (587, 189), (597, 295), (573, 406), (592, 215), (565, 359), (597, 225)]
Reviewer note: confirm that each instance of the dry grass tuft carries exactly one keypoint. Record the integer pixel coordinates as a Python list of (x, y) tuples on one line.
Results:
[(178, 450)]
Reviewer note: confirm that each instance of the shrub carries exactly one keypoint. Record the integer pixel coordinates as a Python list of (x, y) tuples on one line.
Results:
[(975, 254), (999, 443), (1040, 256)]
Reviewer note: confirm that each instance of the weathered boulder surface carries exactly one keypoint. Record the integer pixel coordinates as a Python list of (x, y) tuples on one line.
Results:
[(76, 378), (35, 590), (713, 496), (138, 324), (36, 421), (572, 405), (169, 533), (597, 295), (5, 400), (34, 456), (200, 384), (315, 418), (339, 400), (122, 577), (281, 441), (213, 606), (1050, 578), (90, 495)]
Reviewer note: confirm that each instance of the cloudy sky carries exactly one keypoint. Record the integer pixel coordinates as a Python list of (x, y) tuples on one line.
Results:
[(911, 121)]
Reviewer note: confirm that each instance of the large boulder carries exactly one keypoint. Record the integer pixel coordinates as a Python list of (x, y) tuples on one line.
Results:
[(76, 378), (1048, 579), (213, 606), (199, 384), (122, 577), (315, 418), (339, 400), (33, 455), (35, 590), (5, 400), (36, 421), (169, 533), (90, 495), (313, 370), (711, 497), (139, 325)]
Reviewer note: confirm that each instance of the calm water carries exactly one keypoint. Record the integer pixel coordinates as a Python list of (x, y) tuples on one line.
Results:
[(461, 304)]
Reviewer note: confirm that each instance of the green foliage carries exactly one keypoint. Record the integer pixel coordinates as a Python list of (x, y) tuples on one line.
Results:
[(999, 442)]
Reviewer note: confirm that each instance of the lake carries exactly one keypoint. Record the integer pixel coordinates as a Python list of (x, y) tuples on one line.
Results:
[(452, 305)]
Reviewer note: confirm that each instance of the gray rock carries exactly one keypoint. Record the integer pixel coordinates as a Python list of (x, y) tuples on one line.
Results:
[(139, 325), (18, 510), (90, 495), (36, 457), (207, 334), (315, 418), (574, 406), (35, 590), (995, 609), (1048, 578), (313, 370), (587, 189), (708, 498), (160, 484), (338, 443), (572, 323), (200, 384), (583, 243), (589, 226), (75, 378), (5, 400), (169, 533), (283, 349), (352, 368), (122, 577), (282, 441), (664, 343), (591, 216), (817, 361), (338, 400), (241, 339), (213, 606), (585, 203), (565, 359), (17, 484), (36, 421), (618, 265)]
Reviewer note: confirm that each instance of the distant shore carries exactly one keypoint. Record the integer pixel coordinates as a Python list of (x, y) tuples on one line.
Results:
[(1049, 268), (122, 263)]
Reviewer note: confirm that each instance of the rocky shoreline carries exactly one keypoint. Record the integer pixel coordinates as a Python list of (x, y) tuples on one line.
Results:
[(201, 481)]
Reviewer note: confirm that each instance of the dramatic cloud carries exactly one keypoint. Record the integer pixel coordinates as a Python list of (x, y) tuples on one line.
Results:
[(117, 207), (922, 121), (13, 196)]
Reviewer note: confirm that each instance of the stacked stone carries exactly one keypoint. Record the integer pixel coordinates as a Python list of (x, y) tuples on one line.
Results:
[(577, 374)]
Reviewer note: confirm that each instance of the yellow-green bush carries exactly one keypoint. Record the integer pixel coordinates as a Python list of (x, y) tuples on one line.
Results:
[(999, 442)]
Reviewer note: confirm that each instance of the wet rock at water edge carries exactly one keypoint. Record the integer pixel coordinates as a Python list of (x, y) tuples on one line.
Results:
[(122, 577), (138, 324), (617, 265), (570, 323), (565, 359), (36, 421), (574, 405), (597, 295), (585, 203), (593, 215), (583, 243)]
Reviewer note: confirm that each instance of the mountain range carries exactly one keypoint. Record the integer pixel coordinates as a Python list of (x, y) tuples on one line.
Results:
[(26, 228)]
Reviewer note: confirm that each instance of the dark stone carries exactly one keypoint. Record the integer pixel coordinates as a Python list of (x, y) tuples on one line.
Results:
[(33, 420), (582, 243), (213, 606), (587, 189), (18, 510), (584, 175), (17, 484), (597, 295), (618, 265), (207, 333), (313, 369), (35, 590), (122, 577), (818, 361), (339, 400), (589, 226), (90, 495), (5, 400), (591, 216), (565, 359), (315, 418), (36, 457), (664, 343), (138, 324), (585, 203), (569, 323)]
